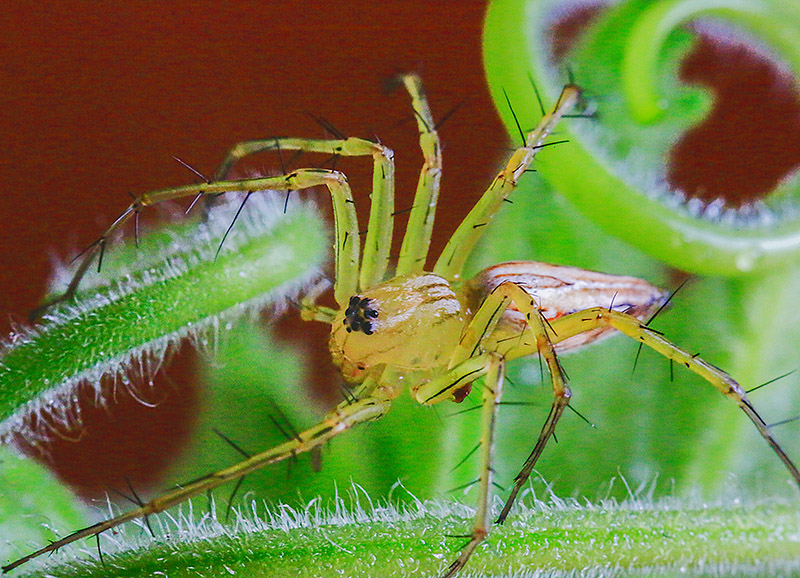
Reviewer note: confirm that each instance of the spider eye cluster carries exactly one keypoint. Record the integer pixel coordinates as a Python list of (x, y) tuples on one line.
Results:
[(357, 317)]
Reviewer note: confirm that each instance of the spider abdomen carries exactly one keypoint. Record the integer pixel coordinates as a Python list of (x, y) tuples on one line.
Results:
[(559, 290), (411, 322)]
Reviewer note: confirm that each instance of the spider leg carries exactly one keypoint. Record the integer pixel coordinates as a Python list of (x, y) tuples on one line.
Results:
[(414, 251), (458, 248), (379, 231), (562, 395), (310, 311), (346, 247), (597, 317), (492, 393), (344, 417), (481, 327), (470, 362)]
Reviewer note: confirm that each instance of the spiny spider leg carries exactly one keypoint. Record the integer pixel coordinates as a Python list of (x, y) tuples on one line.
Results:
[(346, 247), (450, 264), (492, 393), (379, 231), (600, 317), (344, 417), (414, 250), (417, 240), (467, 364)]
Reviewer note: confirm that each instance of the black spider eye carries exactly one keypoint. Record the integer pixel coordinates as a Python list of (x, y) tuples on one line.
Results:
[(364, 302), (371, 313), (355, 325), (354, 300), (366, 327)]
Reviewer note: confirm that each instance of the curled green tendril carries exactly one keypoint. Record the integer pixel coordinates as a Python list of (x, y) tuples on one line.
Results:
[(614, 169), (649, 34)]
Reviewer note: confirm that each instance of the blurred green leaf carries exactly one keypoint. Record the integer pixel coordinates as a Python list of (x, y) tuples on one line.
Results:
[(183, 286), (30, 518)]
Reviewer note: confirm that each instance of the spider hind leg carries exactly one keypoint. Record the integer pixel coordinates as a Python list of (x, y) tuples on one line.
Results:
[(594, 318)]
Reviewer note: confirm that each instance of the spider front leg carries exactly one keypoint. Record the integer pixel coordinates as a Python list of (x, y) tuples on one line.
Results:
[(481, 328), (492, 392), (346, 245), (451, 262), (370, 403), (379, 230)]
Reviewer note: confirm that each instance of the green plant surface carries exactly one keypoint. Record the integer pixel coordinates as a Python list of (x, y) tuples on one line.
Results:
[(32, 517), (354, 537)]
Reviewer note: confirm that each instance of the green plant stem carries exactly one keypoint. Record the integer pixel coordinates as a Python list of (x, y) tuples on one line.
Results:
[(128, 323), (637, 538)]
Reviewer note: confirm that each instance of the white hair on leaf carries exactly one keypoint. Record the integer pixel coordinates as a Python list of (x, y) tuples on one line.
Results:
[(177, 256)]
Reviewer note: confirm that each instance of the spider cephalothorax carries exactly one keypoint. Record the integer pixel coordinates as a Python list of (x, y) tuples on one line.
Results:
[(429, 332), (385, 324)]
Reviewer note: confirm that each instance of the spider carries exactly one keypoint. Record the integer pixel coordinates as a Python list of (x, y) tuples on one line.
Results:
[(433, 332)]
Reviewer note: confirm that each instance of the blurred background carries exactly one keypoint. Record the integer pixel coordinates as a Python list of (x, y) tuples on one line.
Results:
[(98, 98)]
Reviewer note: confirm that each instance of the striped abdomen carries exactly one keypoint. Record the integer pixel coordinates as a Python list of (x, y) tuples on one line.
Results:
[(560, 291)]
